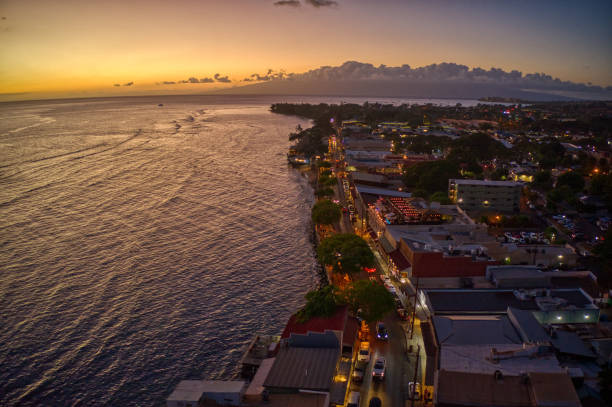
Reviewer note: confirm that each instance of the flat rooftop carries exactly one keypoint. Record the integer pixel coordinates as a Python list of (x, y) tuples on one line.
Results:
[(497, 301), (485, 182)]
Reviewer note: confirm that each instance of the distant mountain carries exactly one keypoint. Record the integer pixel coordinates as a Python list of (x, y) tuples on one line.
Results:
[(446, 80)]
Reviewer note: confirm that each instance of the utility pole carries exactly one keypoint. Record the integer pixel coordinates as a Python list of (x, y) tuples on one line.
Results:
[(416, 292), (414, 381)]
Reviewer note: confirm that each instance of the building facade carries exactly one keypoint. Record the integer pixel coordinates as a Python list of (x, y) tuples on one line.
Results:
[(485, 196)]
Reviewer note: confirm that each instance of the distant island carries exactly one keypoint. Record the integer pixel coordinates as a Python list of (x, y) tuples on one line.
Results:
[(501, 99)]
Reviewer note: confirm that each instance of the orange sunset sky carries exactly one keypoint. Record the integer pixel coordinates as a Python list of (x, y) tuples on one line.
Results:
[(85, 47)]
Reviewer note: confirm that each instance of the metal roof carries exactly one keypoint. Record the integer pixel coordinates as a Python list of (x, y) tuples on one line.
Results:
[(461, 330), (528, 326), (303, 368)]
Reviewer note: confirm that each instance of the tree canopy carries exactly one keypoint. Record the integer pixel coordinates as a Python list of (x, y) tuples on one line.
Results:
[(345, 253), (370, 298), (431, 176), (572, 179), (321, 302), (325, 212)]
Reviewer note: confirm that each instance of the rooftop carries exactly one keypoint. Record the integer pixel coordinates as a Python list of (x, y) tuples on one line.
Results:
[(509, 359), (498, 300), (192, 390), (485, 182), (316, 324), (303, 368), (459, 330), (532, 389)]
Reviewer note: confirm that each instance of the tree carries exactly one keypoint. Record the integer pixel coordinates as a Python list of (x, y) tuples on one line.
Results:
[(319, 303), (572, 179), (441, 197), (370, 298), (325, 212), (543, 180), (324, 192), (345, 253), (431, 176)]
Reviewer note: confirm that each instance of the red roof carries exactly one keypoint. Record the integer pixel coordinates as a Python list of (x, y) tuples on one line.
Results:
[(336, 322), (399, 260)]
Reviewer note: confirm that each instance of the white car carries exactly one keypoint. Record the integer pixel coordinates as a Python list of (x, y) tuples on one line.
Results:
[(364, 352), (379, 368)]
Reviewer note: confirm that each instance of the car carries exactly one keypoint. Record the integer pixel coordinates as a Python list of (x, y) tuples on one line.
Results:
[(358, 372), (364, 352), (378, 372), (414, 391), (353, 399), (375, 402), (381, 331)]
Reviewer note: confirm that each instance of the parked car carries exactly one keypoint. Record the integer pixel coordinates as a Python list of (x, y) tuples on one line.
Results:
[(414, 391), (358, 372), (378, 372), (375, 402), (353, 399), (364, 352), (381, 331)]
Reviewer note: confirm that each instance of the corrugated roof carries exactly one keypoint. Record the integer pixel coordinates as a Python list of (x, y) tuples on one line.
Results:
[(303, 368)]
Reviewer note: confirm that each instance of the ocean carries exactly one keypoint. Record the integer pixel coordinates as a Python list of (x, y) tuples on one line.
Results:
[(141, 245)]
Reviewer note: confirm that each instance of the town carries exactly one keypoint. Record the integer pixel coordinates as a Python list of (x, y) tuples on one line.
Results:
[(465, 260)]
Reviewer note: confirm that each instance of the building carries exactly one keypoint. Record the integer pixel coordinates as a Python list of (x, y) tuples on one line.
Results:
[(190, 393), (485, 196), (549, 306), (314, 356)]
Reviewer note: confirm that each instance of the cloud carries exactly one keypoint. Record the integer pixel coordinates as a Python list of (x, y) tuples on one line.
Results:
[(271, 75), (168, 83), (290, 3), (223, 79), (116, 85), (207, 80), (128, 84), (443, 73), (322, 3)]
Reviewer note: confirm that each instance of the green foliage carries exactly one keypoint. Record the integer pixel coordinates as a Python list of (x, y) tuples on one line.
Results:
[(326, 173), (499, 174), (319, 303), (431, 176), (325, 212), (543, 180), (572, 180), (327, 181), (370, 297), (441, 197), (601, 185), (324, 192), (477, 147), (309, 142), (345, 253), (325, 164)]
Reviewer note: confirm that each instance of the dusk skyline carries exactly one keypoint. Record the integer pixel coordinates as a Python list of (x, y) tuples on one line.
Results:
[(130, 47)]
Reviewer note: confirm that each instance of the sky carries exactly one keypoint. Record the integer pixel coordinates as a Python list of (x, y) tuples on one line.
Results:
[(78, 47)]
